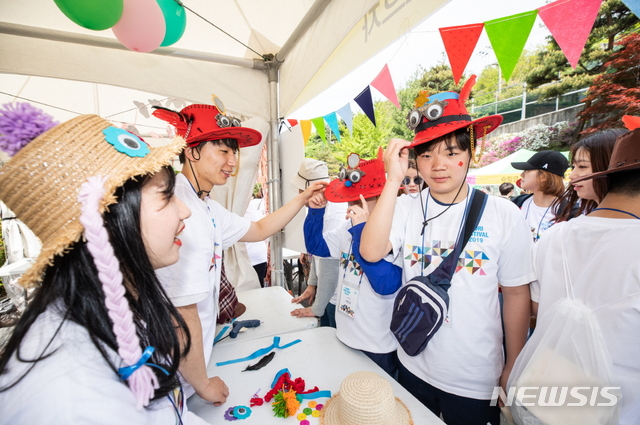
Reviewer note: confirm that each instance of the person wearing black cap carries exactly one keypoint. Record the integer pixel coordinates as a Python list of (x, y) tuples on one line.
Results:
[(543, 177), (596, 254)]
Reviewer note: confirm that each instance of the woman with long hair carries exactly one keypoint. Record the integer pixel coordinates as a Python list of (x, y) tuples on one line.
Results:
[(99, 341), (589, 155)]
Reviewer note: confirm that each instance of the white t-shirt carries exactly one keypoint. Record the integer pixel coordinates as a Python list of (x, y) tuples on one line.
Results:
[(75, 384), (465, 356), (335, 217), (257, 250), (602, 257), (538, 218), (195, 278), (368, 329)]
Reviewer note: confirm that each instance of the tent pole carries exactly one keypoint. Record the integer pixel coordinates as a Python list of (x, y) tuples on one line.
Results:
[(274, 181)]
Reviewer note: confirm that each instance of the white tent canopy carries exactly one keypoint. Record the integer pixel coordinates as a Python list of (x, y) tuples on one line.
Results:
[(305, 45)]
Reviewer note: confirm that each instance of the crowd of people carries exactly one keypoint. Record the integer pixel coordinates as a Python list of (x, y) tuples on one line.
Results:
[(130, 274)]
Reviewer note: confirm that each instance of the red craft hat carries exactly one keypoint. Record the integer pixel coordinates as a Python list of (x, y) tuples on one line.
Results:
[(443, 113), (362, 177), (203, 123)]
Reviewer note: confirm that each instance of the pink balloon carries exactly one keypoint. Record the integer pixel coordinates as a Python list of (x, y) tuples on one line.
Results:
[(141, 27)]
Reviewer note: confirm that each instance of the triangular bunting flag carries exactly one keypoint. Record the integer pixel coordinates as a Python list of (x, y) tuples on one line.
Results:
[(459, 43), (318, 123), (332, 120), (384, 84), (633, 5), (365, 102), (292, 123), (346, 114), (570, 23), (508, 36), (305, 126), (631, 122)]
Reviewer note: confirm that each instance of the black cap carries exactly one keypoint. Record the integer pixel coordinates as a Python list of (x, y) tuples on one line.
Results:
[(551, 161)]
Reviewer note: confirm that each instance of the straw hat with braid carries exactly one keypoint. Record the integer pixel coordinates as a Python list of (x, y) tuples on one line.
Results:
[(365, 398), (41, 182)]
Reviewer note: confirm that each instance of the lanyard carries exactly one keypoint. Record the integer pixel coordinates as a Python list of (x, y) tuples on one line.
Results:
[(536, 237), (464, 219)]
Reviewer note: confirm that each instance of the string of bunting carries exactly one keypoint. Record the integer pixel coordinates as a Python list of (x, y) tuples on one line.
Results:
[(569, 22)]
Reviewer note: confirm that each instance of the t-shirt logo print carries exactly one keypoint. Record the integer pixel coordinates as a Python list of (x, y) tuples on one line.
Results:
[(349, 260), (470, 260)]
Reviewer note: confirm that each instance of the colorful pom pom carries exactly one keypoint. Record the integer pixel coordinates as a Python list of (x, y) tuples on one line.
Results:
[(20, 123), (285, 404)]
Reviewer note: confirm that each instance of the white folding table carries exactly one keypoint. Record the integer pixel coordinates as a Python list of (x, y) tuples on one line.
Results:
[(272, 306), (320, 359)]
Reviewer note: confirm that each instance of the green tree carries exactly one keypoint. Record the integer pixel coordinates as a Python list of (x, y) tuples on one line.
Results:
[(613, 22), (365, 137), (616, 92), (492, 87)]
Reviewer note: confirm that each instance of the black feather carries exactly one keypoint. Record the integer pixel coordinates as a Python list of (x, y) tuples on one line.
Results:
[(262, 362)]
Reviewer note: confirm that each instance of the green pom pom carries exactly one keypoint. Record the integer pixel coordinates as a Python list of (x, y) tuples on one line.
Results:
[(279, 406)]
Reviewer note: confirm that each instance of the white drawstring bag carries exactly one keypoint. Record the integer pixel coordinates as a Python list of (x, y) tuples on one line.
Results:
[(564, 374)]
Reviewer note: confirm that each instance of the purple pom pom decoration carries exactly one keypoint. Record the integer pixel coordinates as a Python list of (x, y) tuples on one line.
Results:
[(20, 123)]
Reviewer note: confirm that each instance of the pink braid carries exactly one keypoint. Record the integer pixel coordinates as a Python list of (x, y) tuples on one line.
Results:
[(143, 381)]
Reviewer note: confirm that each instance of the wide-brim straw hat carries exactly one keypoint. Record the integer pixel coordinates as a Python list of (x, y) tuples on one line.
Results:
[(625, 156), (42, 181), (365, 398)]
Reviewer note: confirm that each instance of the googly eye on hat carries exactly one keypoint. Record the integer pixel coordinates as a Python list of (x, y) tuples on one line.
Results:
[(41, 182), (359, 177), (436, 115), (200, 123)]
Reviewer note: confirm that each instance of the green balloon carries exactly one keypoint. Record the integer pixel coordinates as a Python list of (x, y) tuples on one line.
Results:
[(95, 15), (175, 18)]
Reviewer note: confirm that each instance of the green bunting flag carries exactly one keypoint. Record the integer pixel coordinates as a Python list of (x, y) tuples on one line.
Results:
[(508, 36), (318, 123)]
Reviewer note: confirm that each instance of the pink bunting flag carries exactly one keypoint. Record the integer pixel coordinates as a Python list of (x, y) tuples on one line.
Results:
[(459, 43), (570, 22), (384, 84)]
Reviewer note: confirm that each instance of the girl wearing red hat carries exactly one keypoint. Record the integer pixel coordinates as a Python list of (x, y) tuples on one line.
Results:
[(457, 373)]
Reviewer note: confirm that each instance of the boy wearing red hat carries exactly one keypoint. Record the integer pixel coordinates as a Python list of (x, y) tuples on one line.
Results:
[(458, 370), (363, 310), (193, 283)]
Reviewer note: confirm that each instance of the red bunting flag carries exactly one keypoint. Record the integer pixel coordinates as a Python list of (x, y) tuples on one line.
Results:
[(384, 84), (570, 22), (292, 123), (459, 43)]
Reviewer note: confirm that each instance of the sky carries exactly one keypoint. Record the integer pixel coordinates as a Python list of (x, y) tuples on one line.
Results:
[(423, 47)]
